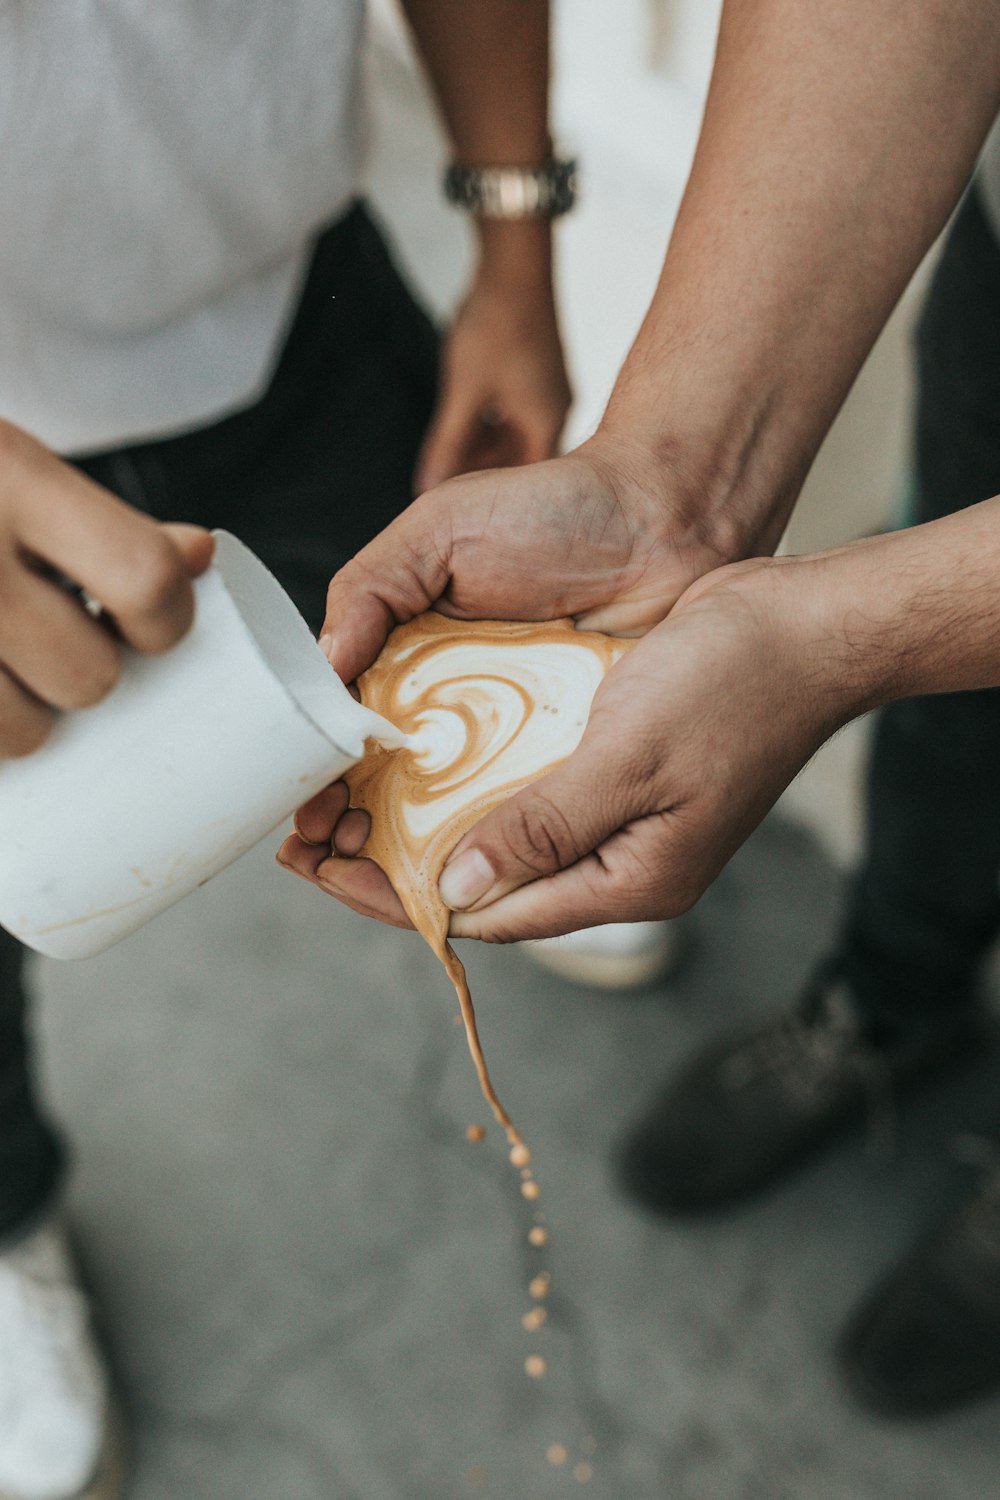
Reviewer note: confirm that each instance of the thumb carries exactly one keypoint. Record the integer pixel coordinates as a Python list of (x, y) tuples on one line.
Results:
[(358, 623), (543, 829), (541, 430), (194, 543), (446, 445), (399, 574)]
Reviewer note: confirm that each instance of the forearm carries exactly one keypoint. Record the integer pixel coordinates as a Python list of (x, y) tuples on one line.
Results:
[(488, 62), (836, 141), (915, 611)]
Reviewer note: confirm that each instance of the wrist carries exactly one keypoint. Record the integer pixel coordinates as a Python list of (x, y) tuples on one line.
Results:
[(913, 612), (682, 474), (735, 416), (826, 653), (515, 257), (869, 623), (714, 451)]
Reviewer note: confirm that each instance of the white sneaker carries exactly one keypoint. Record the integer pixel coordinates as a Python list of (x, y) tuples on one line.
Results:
[(58, 1437), (617, 956)]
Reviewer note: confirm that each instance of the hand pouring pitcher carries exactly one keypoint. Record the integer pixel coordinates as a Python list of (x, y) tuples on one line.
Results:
[(192, 758)]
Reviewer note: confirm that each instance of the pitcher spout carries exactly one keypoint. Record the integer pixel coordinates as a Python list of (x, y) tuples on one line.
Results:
[(348, 723), (369, 725)]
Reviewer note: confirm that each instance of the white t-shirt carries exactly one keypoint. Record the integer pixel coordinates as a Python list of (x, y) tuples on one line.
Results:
[(165, 166)]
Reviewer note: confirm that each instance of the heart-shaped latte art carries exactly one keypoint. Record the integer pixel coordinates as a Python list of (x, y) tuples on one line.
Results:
[(487, 707)]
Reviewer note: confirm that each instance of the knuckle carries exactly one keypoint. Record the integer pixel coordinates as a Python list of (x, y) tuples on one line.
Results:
[(647, 875), (500, 933), (680, 893), (541, 835)]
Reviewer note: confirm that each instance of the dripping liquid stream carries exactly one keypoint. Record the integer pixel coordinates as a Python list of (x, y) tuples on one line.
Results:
[(502, 752)]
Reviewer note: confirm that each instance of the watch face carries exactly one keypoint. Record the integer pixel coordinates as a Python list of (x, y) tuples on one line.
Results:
[(513, 192)]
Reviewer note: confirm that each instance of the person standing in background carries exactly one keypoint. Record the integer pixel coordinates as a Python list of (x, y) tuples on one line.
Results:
[(201, 317)]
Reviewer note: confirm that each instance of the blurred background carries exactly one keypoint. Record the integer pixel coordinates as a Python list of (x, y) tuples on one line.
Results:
[(312, 1282)]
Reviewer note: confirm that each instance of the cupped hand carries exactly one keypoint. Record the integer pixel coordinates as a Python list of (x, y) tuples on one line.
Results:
[(692, 737), (504, 389), (606, 533), (63, 541)]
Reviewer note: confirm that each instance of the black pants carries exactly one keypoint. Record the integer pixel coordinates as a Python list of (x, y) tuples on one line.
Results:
[(305, 477), (926, 904)]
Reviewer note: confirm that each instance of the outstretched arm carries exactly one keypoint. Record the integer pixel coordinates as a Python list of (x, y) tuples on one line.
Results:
[(836, 141), (504, 394)]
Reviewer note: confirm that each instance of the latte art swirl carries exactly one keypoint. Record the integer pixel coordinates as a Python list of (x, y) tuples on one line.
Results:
[(479, 732), (486, 707), (456, 739)]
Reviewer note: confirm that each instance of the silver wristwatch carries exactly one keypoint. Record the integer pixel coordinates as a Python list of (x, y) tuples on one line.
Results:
[(542, 192)]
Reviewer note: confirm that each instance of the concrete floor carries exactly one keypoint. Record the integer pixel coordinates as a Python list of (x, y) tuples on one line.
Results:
[(312, 1283)]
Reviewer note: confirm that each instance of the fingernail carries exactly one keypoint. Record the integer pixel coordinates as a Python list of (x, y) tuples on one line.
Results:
[(325, 642), (466, 880)]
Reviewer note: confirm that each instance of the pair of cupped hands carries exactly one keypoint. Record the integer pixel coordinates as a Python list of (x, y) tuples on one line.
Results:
[(692, 736)]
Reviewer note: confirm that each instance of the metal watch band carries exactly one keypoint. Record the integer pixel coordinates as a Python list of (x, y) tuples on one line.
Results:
[(542, 192)]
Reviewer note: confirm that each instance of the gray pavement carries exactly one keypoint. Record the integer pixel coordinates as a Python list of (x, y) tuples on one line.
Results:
[(312, 1283)]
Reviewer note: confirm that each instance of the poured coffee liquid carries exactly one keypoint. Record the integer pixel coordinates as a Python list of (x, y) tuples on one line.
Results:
[(487, 707)]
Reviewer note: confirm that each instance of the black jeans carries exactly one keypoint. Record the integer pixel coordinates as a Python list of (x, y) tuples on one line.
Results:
[(926, 903), (305, 477)]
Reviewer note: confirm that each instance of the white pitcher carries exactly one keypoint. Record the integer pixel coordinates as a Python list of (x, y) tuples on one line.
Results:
[(192, 758)]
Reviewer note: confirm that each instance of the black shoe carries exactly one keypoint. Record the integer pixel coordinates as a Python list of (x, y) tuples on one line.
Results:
[(929, 1337), (747, 1111)]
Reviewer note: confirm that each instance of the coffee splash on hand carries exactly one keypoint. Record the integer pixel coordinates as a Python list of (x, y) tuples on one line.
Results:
[(487, 706)]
